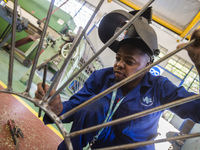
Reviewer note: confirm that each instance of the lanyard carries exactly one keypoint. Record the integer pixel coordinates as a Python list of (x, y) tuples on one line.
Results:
[(109, 115)]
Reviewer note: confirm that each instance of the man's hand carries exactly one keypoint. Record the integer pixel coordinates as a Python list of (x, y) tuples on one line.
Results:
[(56, 105), (194, 49)]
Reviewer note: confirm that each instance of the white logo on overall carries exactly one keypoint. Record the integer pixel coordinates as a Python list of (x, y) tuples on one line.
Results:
[(147, 101)]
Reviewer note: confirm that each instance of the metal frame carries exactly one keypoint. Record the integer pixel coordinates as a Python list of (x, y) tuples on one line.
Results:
[(43, 104)]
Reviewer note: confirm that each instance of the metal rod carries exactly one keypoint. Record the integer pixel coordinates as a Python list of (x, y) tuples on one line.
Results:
[(59, 73), (54, 11), (68, 142), (57, 85), (39, 47), (43, 85), (19, 51), (137, 115), (121, 83), (47, 61), (101, 50), (140, 144), (70, 55), (93, 49), (11, 62)]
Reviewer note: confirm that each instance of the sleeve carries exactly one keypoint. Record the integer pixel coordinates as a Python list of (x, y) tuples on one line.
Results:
[(172, 93), (89, 90)]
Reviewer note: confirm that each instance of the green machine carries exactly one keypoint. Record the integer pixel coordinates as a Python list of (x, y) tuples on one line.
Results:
[(58, 49)]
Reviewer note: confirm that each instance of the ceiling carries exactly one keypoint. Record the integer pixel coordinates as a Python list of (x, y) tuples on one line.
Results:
[(180, 16)]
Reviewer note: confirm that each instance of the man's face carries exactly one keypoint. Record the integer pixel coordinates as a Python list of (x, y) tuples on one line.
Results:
[(129, 60)]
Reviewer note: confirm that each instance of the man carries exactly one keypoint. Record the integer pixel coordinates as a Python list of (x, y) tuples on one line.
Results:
[(133, 52)]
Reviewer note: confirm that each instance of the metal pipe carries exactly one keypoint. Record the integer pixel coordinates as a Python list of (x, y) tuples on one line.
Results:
[(59, 73), (57, 85), (68, 142), (39, 47), (137, 115), (121, 83), (69, 56), (139, 144), (47, 61), (101, 50), (92, 47), (11, 62)]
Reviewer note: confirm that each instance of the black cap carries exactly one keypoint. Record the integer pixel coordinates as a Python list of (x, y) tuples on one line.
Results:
[(139, 34)]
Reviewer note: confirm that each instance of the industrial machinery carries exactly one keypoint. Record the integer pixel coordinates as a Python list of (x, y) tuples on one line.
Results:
[(54, 54)]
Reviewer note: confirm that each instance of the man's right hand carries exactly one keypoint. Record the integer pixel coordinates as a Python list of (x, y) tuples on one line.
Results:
[(56, 105)]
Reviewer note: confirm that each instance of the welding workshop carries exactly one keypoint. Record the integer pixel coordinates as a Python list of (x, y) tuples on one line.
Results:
[(99, 74)]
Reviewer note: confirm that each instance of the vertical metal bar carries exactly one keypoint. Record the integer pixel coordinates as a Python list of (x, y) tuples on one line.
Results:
[(39, 47), (101, 50), (70, 53), (11, 62)]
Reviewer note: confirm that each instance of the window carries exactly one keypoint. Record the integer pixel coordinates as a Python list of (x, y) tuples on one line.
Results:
[(80, 10), (178, 66), (186, 71), (191, 82)]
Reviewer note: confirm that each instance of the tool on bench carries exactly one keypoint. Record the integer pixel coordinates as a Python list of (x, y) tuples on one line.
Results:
[(15, 131), (43, 85)]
